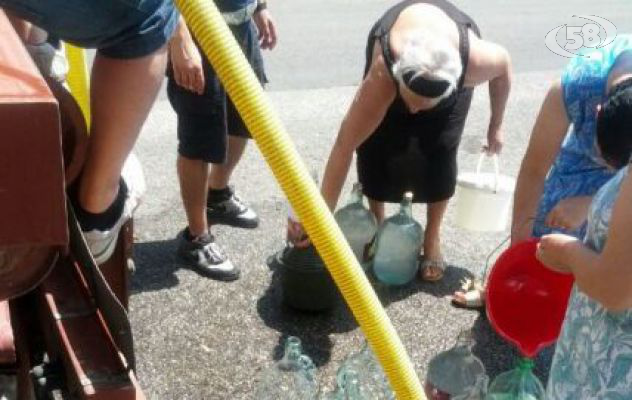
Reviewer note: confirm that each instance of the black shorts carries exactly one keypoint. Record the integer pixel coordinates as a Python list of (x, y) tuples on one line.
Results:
[(204, 121)]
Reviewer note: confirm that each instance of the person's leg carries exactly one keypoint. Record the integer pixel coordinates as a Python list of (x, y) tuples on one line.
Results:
[(223, 206), (193, 175), (377, 208), (221, 173), (197, 247), (201, 141), (432, 241), (122, 93)]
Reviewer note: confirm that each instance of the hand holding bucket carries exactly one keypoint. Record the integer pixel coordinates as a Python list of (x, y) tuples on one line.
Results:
[(483, 199)]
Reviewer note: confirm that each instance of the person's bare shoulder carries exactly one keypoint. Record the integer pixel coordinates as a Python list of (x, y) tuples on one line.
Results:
[(486, 61)]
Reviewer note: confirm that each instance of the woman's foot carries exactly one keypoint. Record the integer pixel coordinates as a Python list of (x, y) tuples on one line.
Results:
[(471, 296), (431, 270), (432, 264)]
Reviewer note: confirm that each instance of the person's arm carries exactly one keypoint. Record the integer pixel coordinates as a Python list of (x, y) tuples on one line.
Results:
[(371, 101), (491, 63), (374, 96), (546, 139), (265, 26), (605, 277), (186, 59)]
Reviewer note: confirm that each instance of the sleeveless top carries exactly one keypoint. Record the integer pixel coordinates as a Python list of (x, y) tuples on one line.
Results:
[(381, 32)]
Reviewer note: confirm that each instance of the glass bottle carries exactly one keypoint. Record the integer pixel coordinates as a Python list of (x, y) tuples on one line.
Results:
[(372, 382), (518, 384), (347, 388), (398, 244), (291, 378), (356, 222), (456, 373)]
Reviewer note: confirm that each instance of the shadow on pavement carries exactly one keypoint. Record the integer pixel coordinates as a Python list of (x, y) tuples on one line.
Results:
[(155, 266), (312, 328), (445, 287)]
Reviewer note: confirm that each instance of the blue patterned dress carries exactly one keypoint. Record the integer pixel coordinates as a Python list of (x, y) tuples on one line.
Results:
[(593, 358), (578, 170)]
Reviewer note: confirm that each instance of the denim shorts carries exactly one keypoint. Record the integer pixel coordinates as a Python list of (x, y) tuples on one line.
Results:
[(204, 121), (117, 28)]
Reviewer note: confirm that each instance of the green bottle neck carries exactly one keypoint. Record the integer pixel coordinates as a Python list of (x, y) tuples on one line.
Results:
[(525, 364), (406, 208), (356, 194), (292, 353)]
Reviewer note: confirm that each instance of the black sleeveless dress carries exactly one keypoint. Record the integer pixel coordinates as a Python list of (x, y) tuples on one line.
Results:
[(415, 152)]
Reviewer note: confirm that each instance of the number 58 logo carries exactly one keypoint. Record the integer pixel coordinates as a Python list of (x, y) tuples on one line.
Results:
[(578, 37)]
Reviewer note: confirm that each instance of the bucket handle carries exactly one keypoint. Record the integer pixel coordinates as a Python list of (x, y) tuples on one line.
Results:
[(494, 158)]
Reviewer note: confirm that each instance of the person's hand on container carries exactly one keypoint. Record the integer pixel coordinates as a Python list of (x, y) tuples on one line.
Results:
[(296, 234), (494, 141), (553, 249)]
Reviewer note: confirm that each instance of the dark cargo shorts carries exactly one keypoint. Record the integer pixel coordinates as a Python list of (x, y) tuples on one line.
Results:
[(204, 121)]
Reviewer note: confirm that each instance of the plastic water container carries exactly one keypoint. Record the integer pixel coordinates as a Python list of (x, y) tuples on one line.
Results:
[(306, 285), (483, 199)]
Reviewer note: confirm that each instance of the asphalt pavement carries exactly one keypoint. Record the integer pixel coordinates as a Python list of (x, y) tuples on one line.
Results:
[(201, 339)]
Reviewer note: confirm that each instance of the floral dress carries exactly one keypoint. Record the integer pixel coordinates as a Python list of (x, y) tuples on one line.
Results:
[(593, 358), (578, 170)]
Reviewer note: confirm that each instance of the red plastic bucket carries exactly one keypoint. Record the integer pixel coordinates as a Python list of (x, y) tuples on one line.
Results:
[(526, 302)]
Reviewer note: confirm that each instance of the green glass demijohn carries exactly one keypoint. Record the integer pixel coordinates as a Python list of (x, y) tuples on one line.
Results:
[(456, 374), (293, 377), (348, 389), (371, 381), (397, 247), (518, 384), (357, 223)]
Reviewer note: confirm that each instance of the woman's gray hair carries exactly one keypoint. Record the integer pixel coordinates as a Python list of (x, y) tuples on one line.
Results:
[(431, 56)]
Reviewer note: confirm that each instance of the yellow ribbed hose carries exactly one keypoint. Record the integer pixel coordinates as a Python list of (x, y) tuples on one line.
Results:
[(77, 79), (227, 59)]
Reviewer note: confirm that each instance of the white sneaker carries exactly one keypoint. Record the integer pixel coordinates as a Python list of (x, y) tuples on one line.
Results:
[(103, 243)]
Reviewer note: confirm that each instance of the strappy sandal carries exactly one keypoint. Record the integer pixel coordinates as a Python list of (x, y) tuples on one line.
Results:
[(424, 268), (473, 295)]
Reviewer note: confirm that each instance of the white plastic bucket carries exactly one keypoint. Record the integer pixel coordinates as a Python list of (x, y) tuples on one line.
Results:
[(483, 200)]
